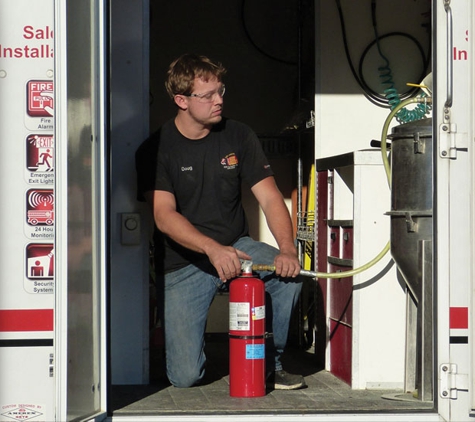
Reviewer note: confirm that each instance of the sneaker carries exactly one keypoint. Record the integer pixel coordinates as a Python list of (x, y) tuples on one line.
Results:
[(285, 381)]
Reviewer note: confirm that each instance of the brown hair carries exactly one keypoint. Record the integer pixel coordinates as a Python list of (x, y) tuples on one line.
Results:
[(184, 70)]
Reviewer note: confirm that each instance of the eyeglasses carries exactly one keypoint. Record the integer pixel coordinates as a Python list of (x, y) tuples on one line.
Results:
[(208, 97)]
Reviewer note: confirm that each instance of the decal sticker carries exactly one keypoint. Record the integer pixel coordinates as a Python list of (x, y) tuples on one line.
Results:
[(39, 268), (39, 105), (255, 351), (258, 312), (239, 316), (40, 214), (40, 158), (40, 98), (21, 412)]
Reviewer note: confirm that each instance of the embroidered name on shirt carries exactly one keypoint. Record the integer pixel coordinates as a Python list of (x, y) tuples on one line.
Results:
[(187, 168), (230, 161)]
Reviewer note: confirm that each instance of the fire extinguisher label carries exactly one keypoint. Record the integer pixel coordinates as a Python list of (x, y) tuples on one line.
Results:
[(258, 312), (239, 316), (255, 351)]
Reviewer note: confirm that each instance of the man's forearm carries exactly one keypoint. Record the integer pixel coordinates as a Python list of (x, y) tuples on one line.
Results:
[(280, 225), (179, 229)]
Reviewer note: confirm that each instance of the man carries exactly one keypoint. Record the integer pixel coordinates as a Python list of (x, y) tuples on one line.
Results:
[(190, 172)]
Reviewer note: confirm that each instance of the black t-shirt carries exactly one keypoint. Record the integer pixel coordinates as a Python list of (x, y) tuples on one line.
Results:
[(205, 176)]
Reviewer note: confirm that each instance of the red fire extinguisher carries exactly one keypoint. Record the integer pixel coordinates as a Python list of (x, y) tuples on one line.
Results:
[(247, 335)]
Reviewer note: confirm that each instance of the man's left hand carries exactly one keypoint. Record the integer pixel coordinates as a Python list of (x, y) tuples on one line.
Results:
[(287, 265)]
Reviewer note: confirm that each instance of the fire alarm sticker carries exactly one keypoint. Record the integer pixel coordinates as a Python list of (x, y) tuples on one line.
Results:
[(39, 105), (40, 159), (40, 98), (39, 268), (40, 213)]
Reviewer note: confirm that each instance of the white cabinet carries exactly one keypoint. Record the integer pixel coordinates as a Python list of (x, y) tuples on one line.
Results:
[(364, 314)]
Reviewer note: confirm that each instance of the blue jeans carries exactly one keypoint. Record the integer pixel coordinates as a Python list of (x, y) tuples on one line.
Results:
[(189, 292)]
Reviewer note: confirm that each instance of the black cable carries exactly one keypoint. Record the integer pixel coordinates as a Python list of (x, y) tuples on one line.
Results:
[(345, 44), (251, 40), (370, 94), (410, 92)]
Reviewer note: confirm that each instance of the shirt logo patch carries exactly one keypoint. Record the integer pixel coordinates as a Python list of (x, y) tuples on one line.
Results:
[(230, 161)]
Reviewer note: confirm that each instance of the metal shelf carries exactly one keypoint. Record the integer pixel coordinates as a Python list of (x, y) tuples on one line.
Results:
[(306, 226)]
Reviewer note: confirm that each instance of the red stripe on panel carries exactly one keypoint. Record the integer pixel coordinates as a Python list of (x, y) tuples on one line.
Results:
[(458, 317), (26, 320)]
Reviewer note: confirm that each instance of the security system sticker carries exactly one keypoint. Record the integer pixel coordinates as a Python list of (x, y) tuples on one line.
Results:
[(39, 268), (255, 351), (258, 312), (39, 105), (239, 316), (40, 214), (40, 159)]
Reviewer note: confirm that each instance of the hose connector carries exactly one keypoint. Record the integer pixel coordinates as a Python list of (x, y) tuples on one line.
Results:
[(246, 267)]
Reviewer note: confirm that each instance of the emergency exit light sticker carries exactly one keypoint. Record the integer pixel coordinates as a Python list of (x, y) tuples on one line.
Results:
[(40, 214), (40, 98), (239, 316), (40, 159), (21, 412), (39, 268)]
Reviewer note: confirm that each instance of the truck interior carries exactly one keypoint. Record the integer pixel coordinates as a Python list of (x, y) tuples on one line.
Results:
[(309, 77), (314, 79)]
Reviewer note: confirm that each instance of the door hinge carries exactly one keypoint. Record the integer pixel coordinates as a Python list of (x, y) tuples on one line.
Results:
[(450, 141), (450, 381), (51, 365)]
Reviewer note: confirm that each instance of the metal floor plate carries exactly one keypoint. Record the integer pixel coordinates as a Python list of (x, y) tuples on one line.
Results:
[(324, 393)]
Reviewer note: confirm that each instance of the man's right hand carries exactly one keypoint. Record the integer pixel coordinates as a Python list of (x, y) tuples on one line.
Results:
[(227, 261)]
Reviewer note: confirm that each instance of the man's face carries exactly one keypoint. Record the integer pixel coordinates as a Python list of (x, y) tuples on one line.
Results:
[(205, 104)]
